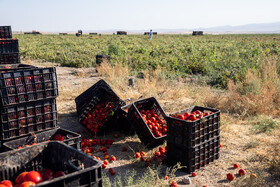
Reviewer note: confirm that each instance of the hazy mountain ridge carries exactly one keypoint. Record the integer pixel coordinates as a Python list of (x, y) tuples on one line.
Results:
[(248, 28), (257, 28)]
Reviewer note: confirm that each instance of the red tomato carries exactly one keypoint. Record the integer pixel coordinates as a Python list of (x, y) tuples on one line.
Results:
[(48, 174), (230, 176), (173, 183), (241, 172), (157, 153), (20, 177), (58, 174), (192, 117), (161, 150), (187, 114), (59, 137), (206, 114), (180, 116), (27, 184), (112, 172), (137, 155), (105, 162), (8, 183), (142, 153), (33, 176), (103, 166), (112, 158), (235, 165), (3, 185)]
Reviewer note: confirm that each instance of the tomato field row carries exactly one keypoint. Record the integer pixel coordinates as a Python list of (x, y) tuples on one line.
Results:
[(218, 57)]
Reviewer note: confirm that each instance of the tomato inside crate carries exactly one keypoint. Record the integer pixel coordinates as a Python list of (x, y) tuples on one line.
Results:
[(79, 168), (101, 113), (149, 121)]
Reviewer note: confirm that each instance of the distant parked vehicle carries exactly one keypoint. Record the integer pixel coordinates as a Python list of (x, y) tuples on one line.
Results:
[(196, 33), (33, 32), (121, 33)]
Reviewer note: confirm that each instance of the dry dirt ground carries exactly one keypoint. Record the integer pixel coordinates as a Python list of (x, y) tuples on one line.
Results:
[(236, 137)]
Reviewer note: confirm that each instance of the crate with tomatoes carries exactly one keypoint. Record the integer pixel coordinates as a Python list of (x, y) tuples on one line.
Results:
[(194, 132), (98, 108), (49, 164), (149, 121), (58, 134)]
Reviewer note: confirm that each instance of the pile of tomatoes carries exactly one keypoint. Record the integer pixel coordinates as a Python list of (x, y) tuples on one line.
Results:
[(157, 158), (31, 178), (90, 146), (157, 125), (94, 146), (97, 116), (191, 116)]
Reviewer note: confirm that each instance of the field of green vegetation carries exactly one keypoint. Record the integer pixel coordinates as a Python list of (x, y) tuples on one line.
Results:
[(216, 57), (248, 66)]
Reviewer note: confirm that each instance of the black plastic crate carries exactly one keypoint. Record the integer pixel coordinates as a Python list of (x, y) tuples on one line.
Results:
[(81, 169), (123, 122), (14, 67), (100, 96), (193, 158), (70, 138), (5, 32), (9, 58), (190, 133), (9, 46), (83, 99), (144, 133), (22, 119), (25, 85)]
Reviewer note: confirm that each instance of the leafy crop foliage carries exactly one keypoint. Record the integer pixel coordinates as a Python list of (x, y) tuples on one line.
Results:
[(218, 57)]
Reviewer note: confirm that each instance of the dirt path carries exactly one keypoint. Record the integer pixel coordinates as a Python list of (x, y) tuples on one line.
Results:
[(235, 136)]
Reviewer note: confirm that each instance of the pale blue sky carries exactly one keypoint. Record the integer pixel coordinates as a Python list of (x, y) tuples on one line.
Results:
[(70, 15)]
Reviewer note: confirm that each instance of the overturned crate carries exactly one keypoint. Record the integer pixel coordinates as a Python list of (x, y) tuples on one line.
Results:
[(190, 137), (81, 169), (143, 130), (98, 107)]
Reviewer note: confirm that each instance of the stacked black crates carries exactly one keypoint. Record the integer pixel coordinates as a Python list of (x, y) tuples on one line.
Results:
[(9, 51), (193, 143), (27, 99)]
